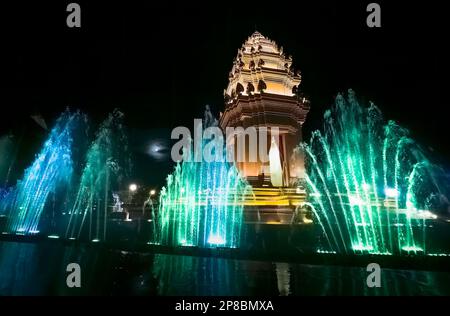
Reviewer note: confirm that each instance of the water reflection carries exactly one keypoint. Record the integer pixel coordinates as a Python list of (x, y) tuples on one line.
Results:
[(39, 269), (283, 278)]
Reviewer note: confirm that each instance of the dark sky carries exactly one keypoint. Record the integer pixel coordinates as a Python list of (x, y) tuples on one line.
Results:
[(160, 63)]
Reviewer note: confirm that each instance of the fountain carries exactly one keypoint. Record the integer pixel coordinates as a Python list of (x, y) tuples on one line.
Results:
[(370, 186), (46, 182), (201, 204), (107, 162)]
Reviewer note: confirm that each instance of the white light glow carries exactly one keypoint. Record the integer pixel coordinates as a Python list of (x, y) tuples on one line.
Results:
[(355, 200), (215, 240), (391, 192)]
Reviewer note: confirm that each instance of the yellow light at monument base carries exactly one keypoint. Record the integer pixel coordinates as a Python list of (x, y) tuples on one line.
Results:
[(273, 223)]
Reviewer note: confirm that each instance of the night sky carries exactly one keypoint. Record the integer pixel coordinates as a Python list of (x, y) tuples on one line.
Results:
[(160, 63)]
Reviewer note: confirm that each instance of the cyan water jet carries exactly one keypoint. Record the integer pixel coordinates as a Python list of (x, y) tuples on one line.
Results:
[(201, 204), (370, 186), (45, 181), (106, 164)]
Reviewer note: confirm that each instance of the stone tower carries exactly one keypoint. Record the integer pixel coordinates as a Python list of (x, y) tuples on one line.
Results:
[(263, 90)]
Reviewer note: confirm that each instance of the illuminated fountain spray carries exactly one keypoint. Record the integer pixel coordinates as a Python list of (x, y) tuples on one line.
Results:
[(107, 161), (201, 204), (7, 196), (48, 176), (370, 186)]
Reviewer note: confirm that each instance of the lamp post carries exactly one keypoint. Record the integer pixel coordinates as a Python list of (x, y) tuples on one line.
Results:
[(132, 190), (149, 202)]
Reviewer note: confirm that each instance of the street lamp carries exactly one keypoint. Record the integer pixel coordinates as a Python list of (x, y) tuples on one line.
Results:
[(152, 192), (132, 190), (133, 187)]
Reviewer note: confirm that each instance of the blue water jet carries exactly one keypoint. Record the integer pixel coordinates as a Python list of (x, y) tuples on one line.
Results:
[(49, 174)]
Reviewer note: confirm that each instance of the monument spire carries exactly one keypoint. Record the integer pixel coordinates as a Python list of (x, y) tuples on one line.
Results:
[(263, 91)]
